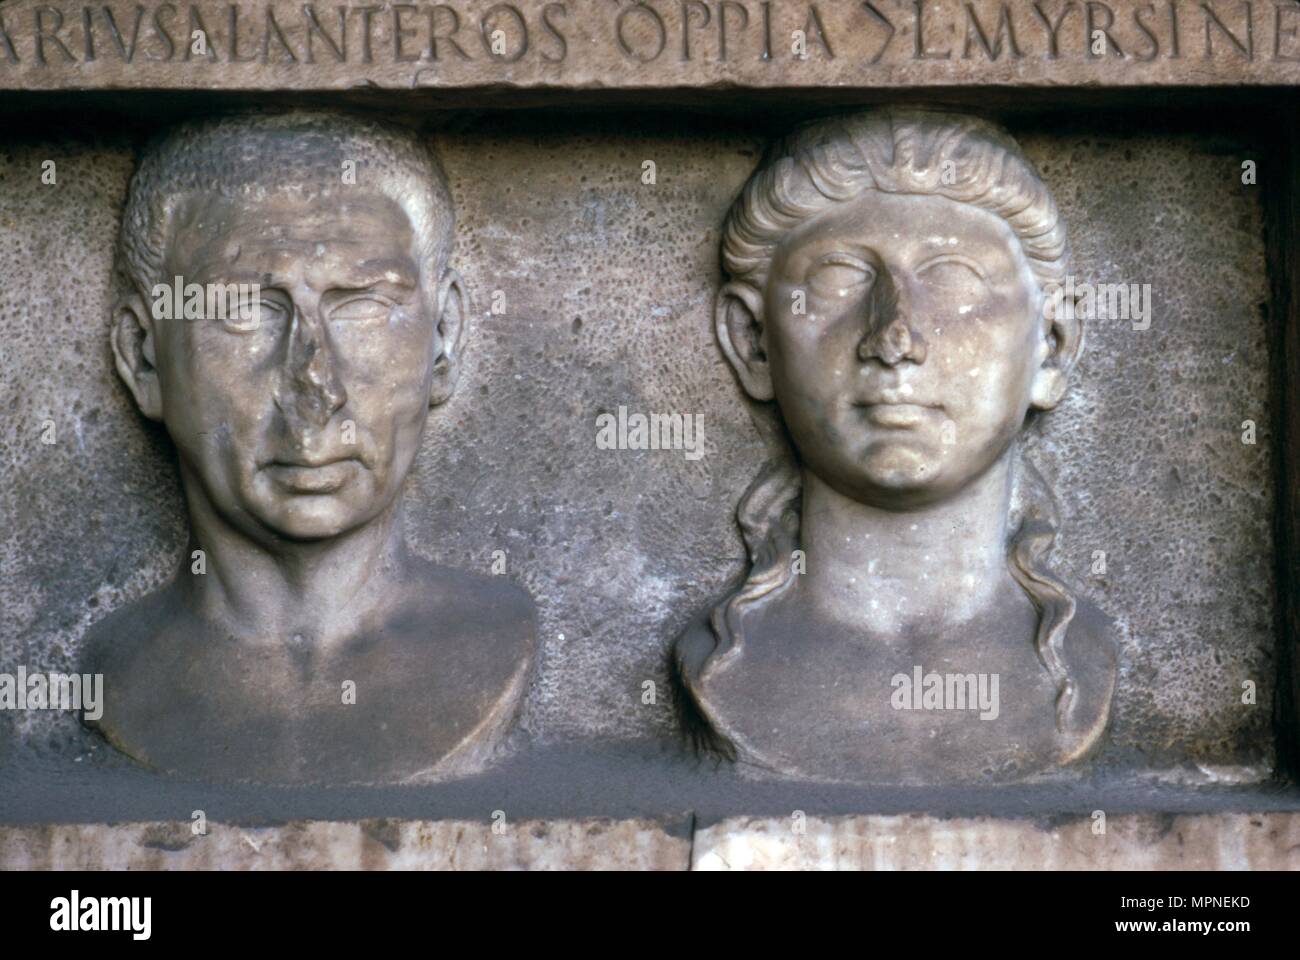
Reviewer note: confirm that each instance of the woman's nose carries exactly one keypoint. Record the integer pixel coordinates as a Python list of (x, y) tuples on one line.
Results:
[(890, 337)]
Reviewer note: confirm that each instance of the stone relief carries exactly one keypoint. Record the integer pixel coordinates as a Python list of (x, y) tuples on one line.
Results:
[(931, 475), (300, 640), (893, 290)]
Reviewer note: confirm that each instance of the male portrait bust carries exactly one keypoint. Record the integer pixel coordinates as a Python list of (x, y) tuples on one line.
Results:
[(891, 279), (301, 640)]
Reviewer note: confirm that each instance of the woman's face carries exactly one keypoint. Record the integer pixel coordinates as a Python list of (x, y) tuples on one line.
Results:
[(903, 335)]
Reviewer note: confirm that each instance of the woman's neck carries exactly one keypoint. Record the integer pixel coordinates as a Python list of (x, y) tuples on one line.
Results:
[(935, 566)]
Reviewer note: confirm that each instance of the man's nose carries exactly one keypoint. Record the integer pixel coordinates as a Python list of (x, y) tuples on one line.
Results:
[(890, 336), (310, 389)]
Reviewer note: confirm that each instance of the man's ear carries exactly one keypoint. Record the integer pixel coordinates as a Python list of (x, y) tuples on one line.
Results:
[(453, 311), (1063, 332), (738, 320), (134, 351)]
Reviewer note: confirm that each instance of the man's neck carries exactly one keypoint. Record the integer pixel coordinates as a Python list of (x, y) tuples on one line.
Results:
[(935, 566), (271, 590)]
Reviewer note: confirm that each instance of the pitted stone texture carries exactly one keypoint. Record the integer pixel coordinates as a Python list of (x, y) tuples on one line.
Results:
[(595, 844), (93, 519), (607, 285), (1239, 841), (1146, 453)]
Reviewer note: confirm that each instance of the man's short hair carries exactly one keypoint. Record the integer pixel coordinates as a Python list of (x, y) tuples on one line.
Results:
[(253, 154)]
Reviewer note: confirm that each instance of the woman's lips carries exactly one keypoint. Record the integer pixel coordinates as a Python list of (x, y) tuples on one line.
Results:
[(897, 414)]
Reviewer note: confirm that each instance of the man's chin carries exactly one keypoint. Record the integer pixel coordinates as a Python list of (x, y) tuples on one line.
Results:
[(312, 518)]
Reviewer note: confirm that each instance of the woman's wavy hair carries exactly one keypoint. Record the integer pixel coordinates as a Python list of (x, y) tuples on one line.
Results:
[(965, 159)]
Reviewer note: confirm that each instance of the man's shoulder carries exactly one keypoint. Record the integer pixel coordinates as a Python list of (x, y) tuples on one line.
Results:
[(129, 631), (455, 588), (465, 602)]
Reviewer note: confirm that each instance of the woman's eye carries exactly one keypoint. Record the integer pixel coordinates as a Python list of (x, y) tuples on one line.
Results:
[(840, 275), (361, 308), (952, 273)]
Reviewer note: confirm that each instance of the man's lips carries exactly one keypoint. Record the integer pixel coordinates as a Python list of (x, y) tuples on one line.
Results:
[(320, 476)]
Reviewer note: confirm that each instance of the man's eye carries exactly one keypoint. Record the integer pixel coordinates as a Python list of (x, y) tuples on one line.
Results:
[(361, 308), (251, 314), (840, 275)]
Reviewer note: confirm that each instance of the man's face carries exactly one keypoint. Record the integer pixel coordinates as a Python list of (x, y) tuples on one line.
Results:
[(910, 370), (306, 423)]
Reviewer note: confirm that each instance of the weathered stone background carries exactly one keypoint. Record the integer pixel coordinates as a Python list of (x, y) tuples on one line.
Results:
[(608, 285)]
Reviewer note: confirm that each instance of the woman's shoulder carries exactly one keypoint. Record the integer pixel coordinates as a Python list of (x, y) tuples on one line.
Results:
[(1090, 651)]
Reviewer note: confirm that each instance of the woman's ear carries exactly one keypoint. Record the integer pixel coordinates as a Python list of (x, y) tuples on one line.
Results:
[(1062, 332), (738, 320), (453, 310), (135, 354)]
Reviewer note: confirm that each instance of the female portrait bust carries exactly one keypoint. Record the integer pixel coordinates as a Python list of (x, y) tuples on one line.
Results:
[(890, 289)]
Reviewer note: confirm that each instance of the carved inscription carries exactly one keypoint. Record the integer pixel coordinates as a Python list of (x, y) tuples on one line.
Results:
[(664, 33)]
